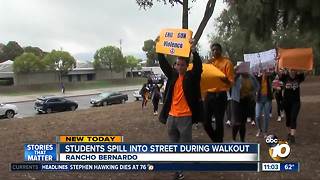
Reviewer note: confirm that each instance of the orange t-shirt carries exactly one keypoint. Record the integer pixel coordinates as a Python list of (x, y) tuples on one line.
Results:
[(179, 105), (264, 90), (225, 66)]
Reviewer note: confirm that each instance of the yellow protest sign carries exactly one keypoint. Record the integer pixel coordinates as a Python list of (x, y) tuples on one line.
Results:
[(174, 42), (210, 77)]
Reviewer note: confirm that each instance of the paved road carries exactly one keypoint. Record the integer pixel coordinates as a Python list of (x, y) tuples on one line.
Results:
[(26, 108)]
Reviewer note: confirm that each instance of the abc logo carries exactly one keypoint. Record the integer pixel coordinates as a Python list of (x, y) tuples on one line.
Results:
[(278, 149)]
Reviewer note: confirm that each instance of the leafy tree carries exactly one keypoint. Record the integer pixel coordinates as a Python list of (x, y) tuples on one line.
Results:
[(287, 24), (10, 51), (28, 62), (109, 57), (150, 48), (145, 4), (60, 61), (132, 62), (2, 56), (35, 50), (268, 24)]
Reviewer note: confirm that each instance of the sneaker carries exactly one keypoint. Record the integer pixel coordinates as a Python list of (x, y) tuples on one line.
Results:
[(178, 176), (282, 114), (248, 120), (279, 119), (270, 115), (228, 123), (258, 133), (253, 123), (155, 113)]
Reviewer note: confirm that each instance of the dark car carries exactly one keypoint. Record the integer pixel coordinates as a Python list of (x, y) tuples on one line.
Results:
[(48, 104), (107, 98)]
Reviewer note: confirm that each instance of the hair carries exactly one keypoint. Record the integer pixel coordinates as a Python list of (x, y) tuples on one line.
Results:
[(216, 45), (185, 59)]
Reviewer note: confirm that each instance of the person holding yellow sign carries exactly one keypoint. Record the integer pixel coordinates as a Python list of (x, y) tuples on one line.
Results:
[(216, 98), (183, 104)]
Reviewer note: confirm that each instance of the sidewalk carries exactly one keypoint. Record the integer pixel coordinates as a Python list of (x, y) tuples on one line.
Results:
[(33, 97)]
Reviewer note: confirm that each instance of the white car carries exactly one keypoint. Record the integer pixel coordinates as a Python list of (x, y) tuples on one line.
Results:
[(8, 110), (137, 95)]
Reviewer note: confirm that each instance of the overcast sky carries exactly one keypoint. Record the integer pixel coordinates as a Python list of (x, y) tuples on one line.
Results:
[(83, 26)]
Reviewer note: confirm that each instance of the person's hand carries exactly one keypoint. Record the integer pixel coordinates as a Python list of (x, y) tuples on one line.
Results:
[(157, 39), (225, 80), (192, 45)]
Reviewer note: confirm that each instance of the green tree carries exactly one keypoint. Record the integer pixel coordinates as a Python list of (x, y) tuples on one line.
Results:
[(35, 50), (109, 57), (284, 23), (28, 62), (132, 62), (10, 51), (60, 61), (149, 47)]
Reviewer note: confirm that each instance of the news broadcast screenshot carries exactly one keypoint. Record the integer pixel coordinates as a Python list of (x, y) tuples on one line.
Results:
[(159, 89)]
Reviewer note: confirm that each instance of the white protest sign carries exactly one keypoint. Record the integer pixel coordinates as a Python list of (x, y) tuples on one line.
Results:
[(261, 61)]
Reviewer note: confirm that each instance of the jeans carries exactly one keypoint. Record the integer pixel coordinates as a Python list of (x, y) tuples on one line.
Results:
[(264, 104)]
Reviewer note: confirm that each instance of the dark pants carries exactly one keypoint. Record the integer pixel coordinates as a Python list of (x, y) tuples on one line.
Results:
[(155, 102), (240, 112), (291, 108), (252, 109), (179, 129), (229, 111), (215, 106), (279, 100)]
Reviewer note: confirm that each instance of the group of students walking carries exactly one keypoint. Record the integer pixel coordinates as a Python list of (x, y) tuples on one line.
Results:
[(183, 104)]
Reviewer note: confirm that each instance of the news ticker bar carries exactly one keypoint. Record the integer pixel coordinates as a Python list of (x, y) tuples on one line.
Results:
[(158, 157), (280, 167), (124, 152), (217, 166), (69, 167)]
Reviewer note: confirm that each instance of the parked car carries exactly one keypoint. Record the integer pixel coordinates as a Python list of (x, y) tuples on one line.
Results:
[(137, 95), (8, 110), (106, 98), (48, 104)]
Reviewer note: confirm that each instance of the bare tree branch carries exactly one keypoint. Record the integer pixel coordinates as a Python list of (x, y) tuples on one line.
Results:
[(207, 15), (180, 2)]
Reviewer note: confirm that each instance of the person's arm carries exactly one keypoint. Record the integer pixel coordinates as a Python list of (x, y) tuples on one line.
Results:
[(255, 84), (164, 65), (197, 64), (229, 79)]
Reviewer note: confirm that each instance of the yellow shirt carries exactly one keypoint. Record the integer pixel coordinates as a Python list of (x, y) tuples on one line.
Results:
[(225, 66), (264, 89), (246, 87), (179, 105)]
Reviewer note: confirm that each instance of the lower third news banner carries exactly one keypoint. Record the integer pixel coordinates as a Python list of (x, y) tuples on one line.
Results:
[(139, 157)]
